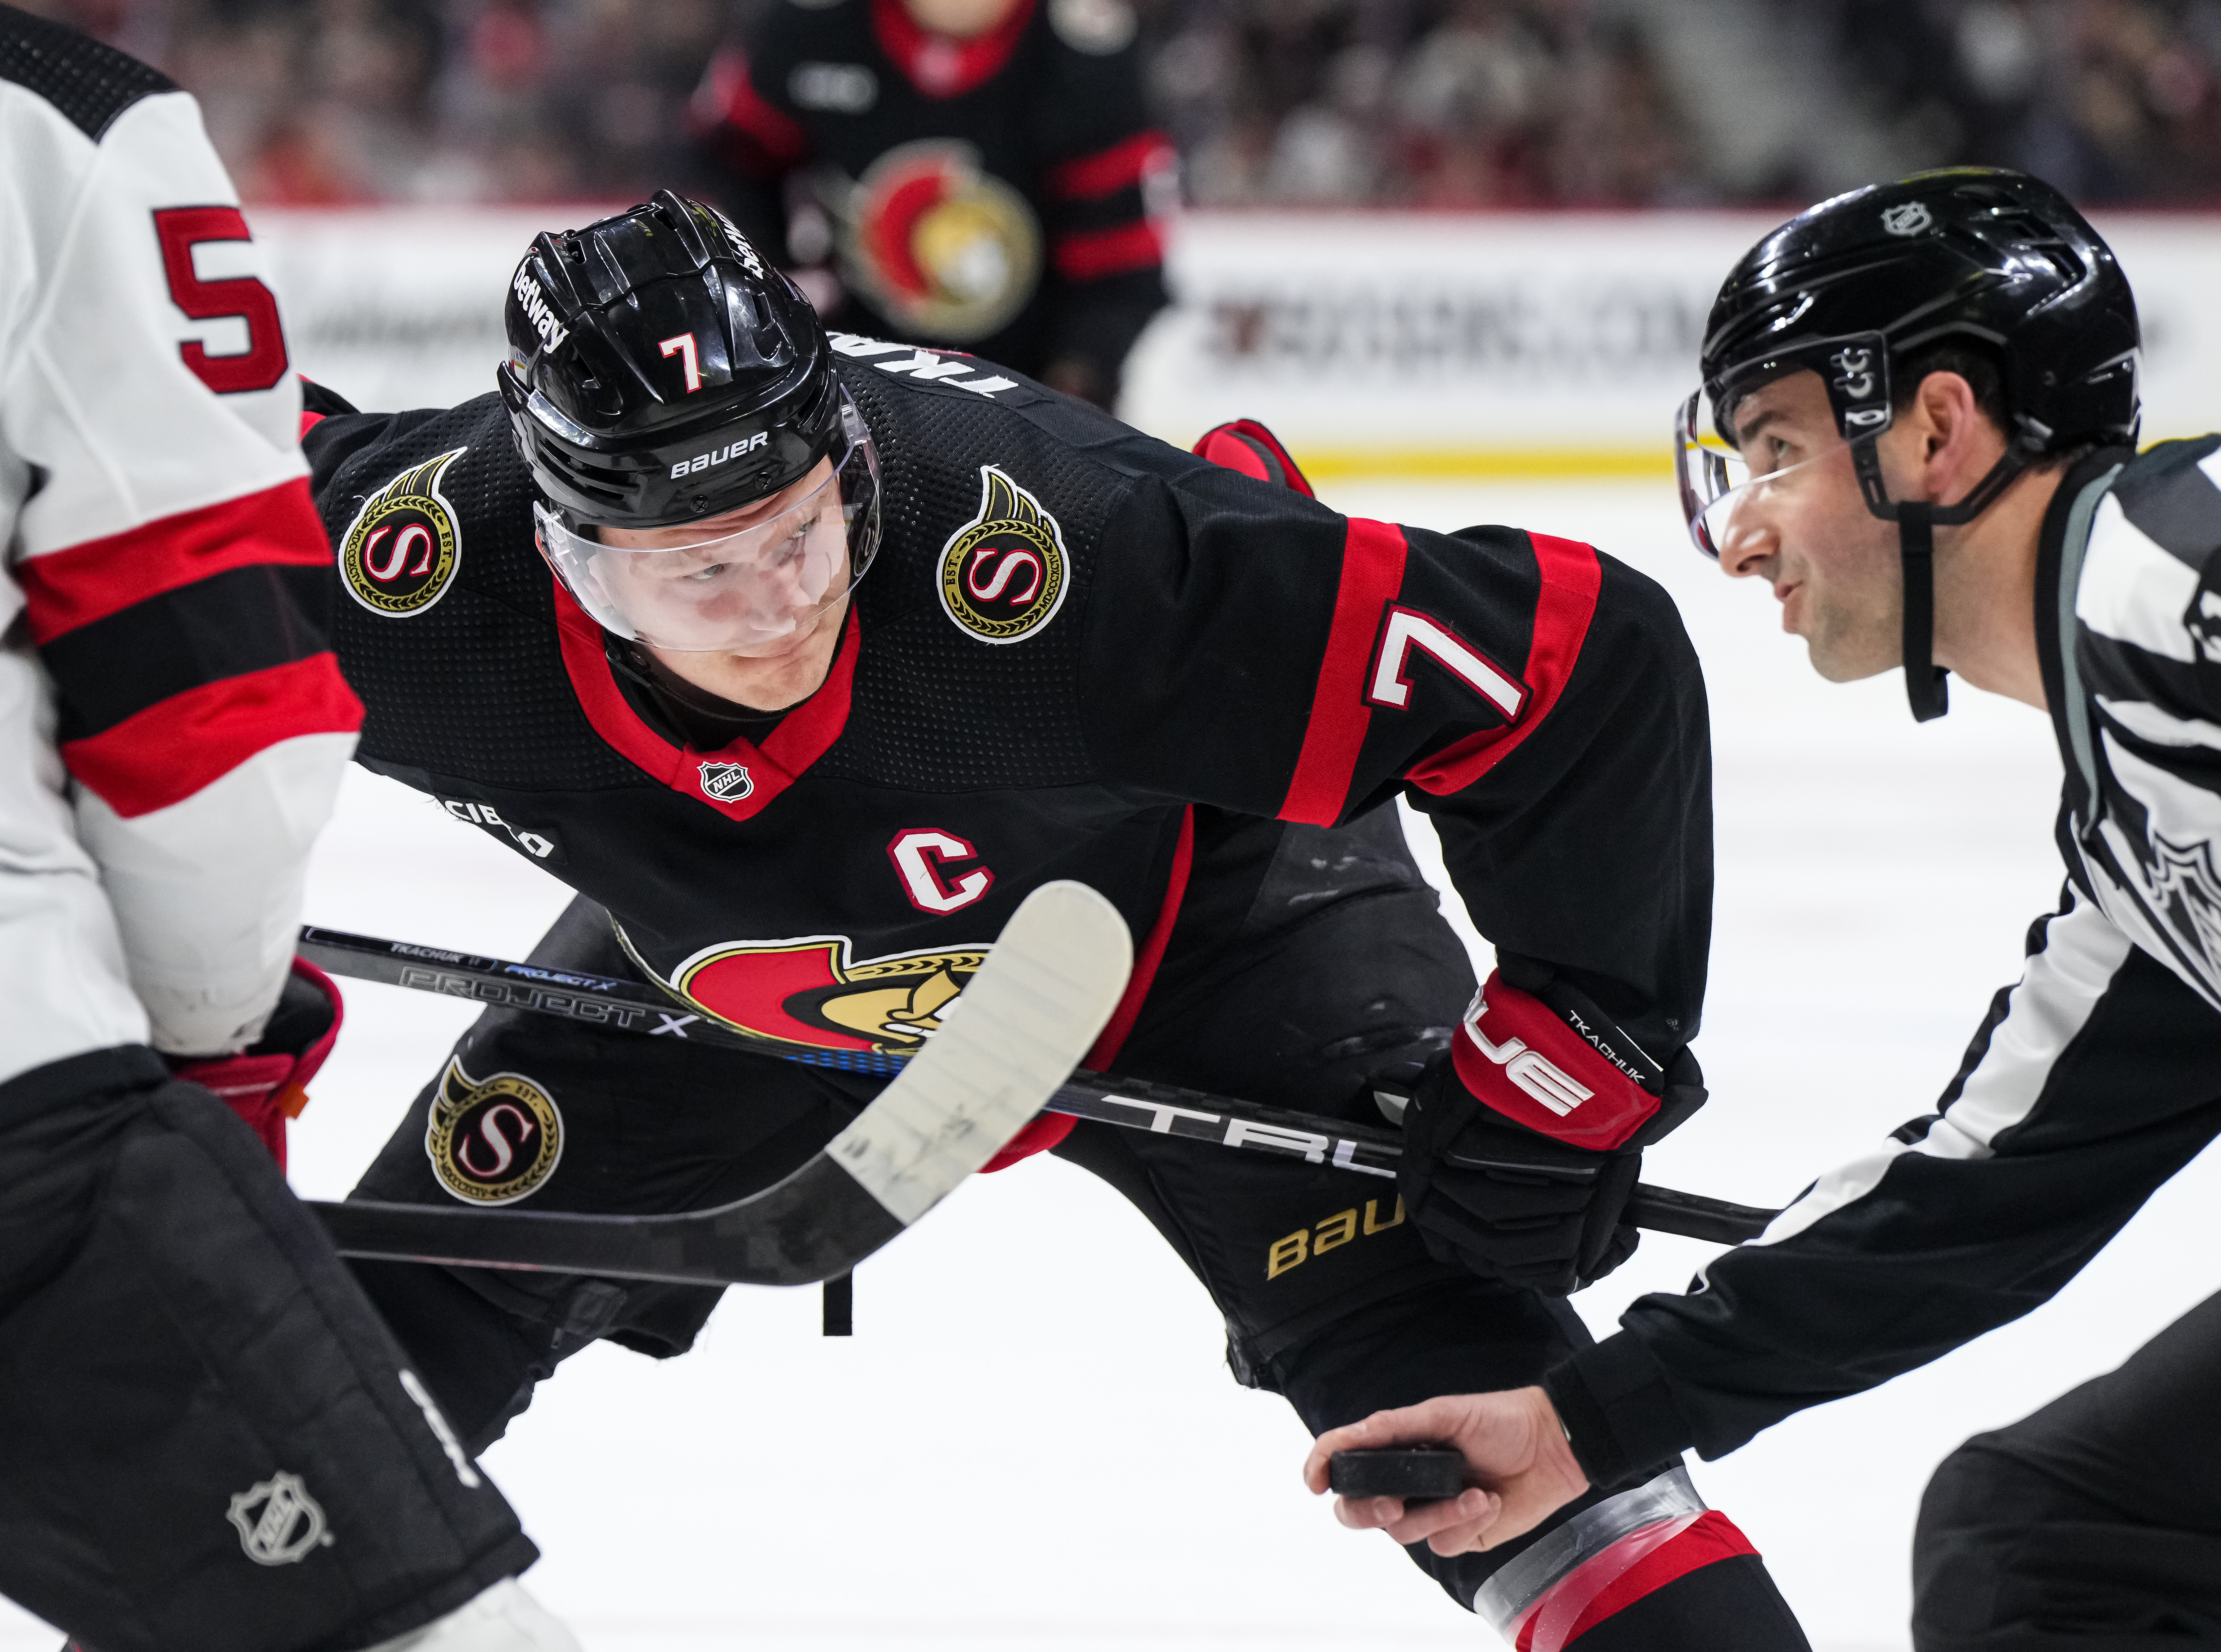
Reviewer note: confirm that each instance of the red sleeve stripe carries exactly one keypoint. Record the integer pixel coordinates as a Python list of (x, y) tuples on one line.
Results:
[(1707, 1540), (1151, 954), (728, 97), (1091, 254), (63, 590), (1571, 578), (171, 749), (1109, 171), (1372, 574)]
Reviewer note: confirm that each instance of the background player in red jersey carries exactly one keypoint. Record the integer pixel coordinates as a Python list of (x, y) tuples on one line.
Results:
[(849, 645), (206, 1437), (981, 173)]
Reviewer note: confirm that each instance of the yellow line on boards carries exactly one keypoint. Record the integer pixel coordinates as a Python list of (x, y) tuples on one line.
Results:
[(1494, 464)]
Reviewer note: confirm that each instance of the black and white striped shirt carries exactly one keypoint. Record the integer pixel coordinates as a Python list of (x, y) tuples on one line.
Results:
[(2092, 1080)]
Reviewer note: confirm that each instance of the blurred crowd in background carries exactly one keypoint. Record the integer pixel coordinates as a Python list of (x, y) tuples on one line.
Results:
[(1425, 104)]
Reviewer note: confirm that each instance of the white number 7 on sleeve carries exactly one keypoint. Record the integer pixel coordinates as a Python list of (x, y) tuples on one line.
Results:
[(1404, 630)]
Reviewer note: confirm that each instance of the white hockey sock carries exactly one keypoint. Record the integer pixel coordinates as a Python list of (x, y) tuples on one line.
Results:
[(503, 1619)]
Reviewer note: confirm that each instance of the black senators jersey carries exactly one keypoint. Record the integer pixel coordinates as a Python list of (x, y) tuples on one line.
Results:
[(988, 193), (1073, 639)]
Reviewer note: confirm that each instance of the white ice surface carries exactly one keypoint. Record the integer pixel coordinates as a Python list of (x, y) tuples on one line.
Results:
[(1032, 1440)]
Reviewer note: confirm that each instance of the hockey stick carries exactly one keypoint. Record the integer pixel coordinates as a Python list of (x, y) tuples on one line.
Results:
[(1167, 1110), (1030, 1014)]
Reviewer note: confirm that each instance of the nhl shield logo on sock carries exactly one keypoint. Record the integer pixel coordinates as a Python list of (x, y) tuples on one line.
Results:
[(278, 1522), (727, 782)]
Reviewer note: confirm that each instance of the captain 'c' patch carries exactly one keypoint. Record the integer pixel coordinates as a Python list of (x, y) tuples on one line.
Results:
[(400, 554), (1003, 574), (492, 1141)]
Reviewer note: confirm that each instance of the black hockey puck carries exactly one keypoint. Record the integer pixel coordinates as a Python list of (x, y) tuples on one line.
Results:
[(1417, 1474)]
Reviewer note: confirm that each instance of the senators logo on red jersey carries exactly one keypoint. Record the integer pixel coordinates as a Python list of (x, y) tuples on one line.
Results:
[(1002, 573)]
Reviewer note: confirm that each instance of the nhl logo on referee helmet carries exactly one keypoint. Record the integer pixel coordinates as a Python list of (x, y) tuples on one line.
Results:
[(492, 1141), (400, 554), (1003, 574), (278, 1522), (727, 782)]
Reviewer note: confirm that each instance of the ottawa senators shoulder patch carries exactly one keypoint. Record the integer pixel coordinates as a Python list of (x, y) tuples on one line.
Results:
[(402, 550), (1002, 573), (492, 1141)]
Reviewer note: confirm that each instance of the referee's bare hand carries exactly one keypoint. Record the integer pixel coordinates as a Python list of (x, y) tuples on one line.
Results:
[(1517, 1459)]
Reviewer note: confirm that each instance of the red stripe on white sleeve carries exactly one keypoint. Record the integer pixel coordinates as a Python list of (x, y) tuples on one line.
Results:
[(166, 752), (1372, 574), (1571, 579), (1089, 256), (1107, 172), (64, 589)]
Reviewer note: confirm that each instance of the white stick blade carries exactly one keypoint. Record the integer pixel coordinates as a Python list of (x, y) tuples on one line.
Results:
[(1027, 1019)]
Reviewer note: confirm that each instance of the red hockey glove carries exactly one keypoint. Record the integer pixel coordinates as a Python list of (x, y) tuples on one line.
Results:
[(1524, 1141), (266, 1083)]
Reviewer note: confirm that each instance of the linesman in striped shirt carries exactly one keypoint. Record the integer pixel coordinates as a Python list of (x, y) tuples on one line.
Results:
[(1917, 425)]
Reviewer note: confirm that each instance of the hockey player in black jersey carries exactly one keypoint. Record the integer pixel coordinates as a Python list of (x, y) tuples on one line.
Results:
[(828, 652), (984, 171), (1916, 423)]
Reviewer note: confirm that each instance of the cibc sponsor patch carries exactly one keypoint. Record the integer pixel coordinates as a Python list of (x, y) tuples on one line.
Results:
[(492, 1141), (1002, 573), (401, 551)]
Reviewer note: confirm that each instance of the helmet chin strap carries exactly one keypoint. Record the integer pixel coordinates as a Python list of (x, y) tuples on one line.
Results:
[(1926, 684)]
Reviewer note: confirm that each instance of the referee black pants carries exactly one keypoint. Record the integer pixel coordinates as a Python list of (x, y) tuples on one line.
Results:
[(2095, 1523)]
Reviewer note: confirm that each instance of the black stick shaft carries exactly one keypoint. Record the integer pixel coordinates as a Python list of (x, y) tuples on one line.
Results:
[(1167, 1110)]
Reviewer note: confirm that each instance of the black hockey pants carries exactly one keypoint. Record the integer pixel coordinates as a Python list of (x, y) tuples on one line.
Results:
[(2095, 1523), (1303, 961), (206, 1445)]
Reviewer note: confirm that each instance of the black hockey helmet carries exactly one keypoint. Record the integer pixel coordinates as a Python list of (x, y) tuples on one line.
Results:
[(660, 372), (661, 369), (1854, 286)]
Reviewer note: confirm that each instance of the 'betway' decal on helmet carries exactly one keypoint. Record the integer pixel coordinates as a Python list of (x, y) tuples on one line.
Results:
[(400, 554), (915, 363), (717, 456), (538, 310), (742, 249), (1002, 574)]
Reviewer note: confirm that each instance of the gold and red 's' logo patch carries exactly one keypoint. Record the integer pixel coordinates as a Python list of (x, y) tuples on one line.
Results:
[(945, 249), (492, 1141), (1003, 574), (810, 991), (400, 554)]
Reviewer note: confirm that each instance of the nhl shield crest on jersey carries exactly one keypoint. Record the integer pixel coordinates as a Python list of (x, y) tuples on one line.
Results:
[(400, 553), (492, 1141), (278, 1522), (1002, 573), (727, 782)]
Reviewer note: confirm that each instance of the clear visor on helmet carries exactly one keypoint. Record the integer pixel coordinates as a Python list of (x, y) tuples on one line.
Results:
[(1728, 493), (741, 581)]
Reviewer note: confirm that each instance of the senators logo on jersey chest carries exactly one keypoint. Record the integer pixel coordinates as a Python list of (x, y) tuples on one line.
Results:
[(1003, 574), (811, 993), (492, 1141), (400, 554)]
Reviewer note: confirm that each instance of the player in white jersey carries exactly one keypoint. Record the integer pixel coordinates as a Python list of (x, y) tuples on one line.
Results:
[(207, 1438), (1916, 424)]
